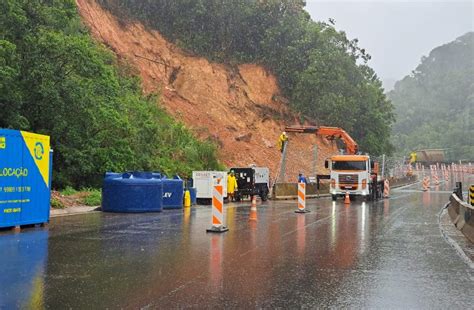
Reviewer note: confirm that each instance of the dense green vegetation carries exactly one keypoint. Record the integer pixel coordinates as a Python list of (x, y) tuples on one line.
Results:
[(321, 71), (434, 105), (55, 80)]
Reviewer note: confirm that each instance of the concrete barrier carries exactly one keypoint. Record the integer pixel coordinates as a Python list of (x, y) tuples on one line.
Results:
[(290, 190), (462, 216), (397, 182)]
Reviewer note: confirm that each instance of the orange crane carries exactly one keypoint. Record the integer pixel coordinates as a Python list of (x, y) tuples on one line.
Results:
[(330, 133), (351, 173)]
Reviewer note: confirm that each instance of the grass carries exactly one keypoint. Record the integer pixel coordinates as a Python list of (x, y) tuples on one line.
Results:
[(68, 191), (56, 204), (93, 198)]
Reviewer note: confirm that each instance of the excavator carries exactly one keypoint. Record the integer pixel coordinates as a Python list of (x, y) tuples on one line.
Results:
[(350, 172)]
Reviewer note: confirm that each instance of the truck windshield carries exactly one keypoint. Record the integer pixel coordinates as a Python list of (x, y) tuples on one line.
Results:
[(348, 165)]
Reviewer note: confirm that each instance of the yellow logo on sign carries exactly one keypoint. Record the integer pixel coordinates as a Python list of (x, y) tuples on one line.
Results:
[(3, 143)]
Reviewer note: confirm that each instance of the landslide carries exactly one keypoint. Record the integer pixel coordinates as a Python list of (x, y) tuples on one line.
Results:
[(240, 107)]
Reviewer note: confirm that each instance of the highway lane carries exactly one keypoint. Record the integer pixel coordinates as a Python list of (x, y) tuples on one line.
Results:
[(371, 255)]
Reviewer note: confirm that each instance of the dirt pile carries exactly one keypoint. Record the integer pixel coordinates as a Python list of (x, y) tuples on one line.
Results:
[(238, 107)]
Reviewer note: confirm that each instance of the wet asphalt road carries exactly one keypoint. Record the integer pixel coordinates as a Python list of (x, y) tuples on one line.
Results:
[(388, 254)]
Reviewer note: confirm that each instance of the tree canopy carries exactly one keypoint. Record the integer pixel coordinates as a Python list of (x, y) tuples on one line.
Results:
[(323, 73), (434, 105), (55, 80)]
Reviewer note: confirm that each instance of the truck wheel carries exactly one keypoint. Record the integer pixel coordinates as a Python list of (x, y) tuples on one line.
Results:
[(264, 195), (334, 197)]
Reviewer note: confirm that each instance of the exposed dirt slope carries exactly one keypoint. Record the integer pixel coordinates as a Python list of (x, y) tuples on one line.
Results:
[(240, 108)]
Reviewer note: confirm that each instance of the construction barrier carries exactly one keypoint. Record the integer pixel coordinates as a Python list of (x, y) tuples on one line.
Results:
[(462, 216), (471, 195), (386, 188), (301, 198), (218, 210), (426, 183), (290, 190)]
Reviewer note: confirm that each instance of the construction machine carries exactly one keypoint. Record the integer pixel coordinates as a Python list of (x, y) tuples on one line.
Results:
[(252, 181), (350, 172)]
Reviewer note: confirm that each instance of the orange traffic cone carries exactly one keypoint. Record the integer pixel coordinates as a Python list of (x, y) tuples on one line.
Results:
[(253, 209), (347, 199)]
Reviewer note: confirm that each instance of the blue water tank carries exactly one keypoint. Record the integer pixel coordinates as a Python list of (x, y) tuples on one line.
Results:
[(173, 193), (132, 192), (112, 175), (193, 192)]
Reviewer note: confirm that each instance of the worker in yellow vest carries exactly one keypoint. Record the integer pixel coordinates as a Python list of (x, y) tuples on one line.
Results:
[(282, 140), (231, 186)]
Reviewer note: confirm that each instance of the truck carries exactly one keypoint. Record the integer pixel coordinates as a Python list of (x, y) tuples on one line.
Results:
[(252, 181), (428, 157), (204, 182), (356, 175), (351, 172)]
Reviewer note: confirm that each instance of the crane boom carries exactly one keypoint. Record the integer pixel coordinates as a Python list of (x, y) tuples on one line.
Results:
[(330, 132)]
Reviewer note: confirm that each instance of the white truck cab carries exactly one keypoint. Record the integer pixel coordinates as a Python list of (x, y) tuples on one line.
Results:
[(350, 174)]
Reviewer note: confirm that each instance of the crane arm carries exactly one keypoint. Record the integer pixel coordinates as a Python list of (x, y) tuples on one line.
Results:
[(329, 132)]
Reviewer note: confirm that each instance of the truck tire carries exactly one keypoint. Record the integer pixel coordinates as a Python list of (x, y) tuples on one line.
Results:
[(264, 195), (334, 197)]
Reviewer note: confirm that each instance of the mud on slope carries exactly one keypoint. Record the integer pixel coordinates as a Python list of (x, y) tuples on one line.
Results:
[(238, 107)]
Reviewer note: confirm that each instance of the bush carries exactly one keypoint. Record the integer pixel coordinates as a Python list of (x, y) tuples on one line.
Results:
[(93, 198), (68, 191), (56, 204)]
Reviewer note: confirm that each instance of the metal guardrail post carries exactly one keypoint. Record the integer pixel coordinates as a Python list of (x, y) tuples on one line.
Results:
[(315, 159), (281, 176), (458, 190), (383, 165)]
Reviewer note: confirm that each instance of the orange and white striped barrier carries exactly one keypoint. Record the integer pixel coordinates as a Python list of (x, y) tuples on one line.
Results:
[(386, 189), (302, 198), (426, 184), (253, 209), (218, 210), (446, 175), (436, 179)]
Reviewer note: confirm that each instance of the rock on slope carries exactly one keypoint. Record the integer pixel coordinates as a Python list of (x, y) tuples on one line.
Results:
[(238, 107)]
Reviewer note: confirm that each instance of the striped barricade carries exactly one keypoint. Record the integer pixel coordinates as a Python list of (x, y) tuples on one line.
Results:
[(302, 198), (386, 189), (218, 210)]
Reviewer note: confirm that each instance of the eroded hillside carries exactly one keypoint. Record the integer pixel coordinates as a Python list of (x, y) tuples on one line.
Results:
[(240, 108)]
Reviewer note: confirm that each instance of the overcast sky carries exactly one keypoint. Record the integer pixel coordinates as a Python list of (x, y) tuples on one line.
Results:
[(397, 33)]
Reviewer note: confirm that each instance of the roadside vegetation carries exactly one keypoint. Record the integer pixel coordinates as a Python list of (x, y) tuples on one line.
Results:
[(434, 105), (55, 80), (70, 197), (323, 73)]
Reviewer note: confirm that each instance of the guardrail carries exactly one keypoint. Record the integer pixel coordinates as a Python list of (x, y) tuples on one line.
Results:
[(461, 213)]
